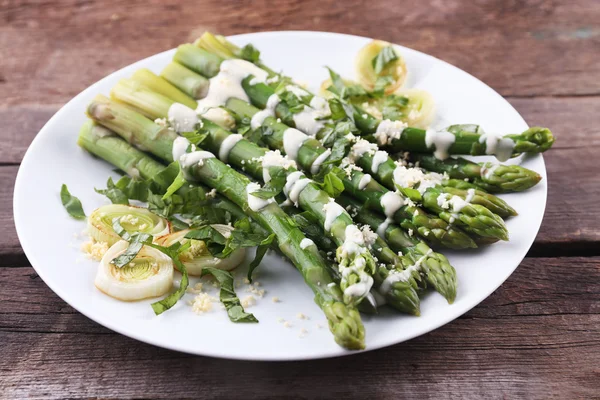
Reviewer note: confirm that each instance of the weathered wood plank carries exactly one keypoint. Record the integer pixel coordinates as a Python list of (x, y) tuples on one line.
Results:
[(535, 337), (54, 49)]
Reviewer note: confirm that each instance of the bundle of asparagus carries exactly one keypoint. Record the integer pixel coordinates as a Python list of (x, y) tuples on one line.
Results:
[(325, 160)]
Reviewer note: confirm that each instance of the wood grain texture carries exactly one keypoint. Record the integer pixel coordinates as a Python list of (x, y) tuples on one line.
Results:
[(538, 336), (521, 48)]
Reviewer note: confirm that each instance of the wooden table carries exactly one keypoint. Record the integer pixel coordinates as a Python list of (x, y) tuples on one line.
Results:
[(538, 336)]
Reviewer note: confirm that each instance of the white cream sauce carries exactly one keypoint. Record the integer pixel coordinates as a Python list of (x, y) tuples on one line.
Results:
[(228, 83), (316, 165), (379, 158), (441, 141), (292, 141), (258, 118), (332, 211), (256, 203), (227, 145), (182, 118)]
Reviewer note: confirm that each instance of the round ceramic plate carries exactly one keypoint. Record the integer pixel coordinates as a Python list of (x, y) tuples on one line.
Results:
[(51, 240)]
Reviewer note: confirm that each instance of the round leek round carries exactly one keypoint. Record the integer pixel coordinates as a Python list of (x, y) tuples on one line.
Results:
[(420, 109), (366, 73), (197, 257), (149, 274), (132, 219)]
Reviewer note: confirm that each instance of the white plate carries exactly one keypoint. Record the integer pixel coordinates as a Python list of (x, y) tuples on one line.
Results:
[(47, 232)]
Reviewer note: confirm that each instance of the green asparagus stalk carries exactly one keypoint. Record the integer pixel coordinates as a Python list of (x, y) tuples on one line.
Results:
[(485, 226), (162, 86), (494, 178), (493, 203), (259, 93), (461, 139), (432, 229), (189, 82), (402, 296), (390, 175), (344, 320), (247, 156), (107, 145), (358, 265), (465, 140), (435, 267)]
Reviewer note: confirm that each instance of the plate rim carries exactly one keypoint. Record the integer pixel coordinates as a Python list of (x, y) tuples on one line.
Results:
[(336, 352)]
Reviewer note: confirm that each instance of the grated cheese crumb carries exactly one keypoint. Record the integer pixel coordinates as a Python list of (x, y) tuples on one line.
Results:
[(301, 316), (276, 299), (202, 303), (248, 301), (94, 250), (287, 324)]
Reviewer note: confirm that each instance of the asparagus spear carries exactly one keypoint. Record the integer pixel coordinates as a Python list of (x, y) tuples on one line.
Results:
[(435, 267), (464, 139), (344, 320), (260, 93), (107, 145), (431, 228), (494, 178), (249, 157), (457, 139), (357, 264), (402, 295), (487, 225)]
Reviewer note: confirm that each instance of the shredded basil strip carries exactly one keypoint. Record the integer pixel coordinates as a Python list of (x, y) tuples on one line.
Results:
[(274, 186), (119, 230), (126, 188), (71, 203), (386, 56), (173, 252), (227, 295), (195, 137), (331, 182), (260, 253), (136, 242), (177, 183)]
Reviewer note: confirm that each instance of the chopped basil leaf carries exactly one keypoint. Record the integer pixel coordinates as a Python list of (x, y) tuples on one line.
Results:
[(260, 253), (71, 203), (195, 137), (332, 184), (173, 252), (136, 242), (337, 109), (114, 194), (274, 186), (383, 59), (119, 230), (227, 295), (213, 239), (380, 84), (177, 183)]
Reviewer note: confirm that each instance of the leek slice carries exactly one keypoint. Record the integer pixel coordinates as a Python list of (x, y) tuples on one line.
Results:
[(395, 70), (149, 274), (132, 219), (420, 109), (197, 257)]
